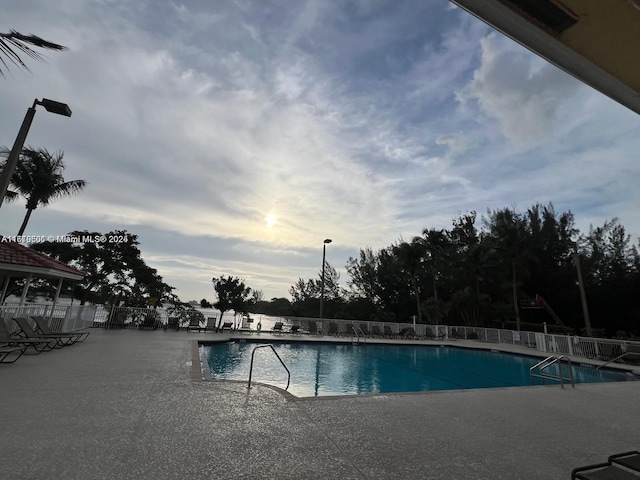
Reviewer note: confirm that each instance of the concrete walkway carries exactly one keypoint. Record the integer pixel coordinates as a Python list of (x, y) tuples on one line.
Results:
[(124, 405)]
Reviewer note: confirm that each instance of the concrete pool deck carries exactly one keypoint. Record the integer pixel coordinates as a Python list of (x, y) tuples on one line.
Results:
[(124, 404)]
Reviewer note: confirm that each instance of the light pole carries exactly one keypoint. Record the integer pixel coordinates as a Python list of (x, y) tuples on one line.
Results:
[(324, 253), (51, 106), (583, 295)]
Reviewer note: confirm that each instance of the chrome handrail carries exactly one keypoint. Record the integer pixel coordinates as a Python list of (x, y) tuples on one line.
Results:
[(550, 357), (364, 337), (547, 362), (624, 354), (355, 331), (274, 351)]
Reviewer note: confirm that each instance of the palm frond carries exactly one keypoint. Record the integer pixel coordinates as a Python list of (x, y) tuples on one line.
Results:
[(11, 196), (14, 43), (63, 190)]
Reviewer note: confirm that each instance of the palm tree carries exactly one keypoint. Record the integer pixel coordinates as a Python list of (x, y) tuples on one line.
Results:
[(38, 178), (12, 43)]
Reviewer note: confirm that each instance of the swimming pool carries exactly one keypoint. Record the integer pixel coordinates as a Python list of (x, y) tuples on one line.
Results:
[(321, 369)]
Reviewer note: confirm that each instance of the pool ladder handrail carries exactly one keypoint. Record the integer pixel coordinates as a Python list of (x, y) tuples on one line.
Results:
[(355, 331), (624, 354), (547, 362), (274, 351)]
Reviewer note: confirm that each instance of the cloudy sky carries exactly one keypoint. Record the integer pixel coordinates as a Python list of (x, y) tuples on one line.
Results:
[(234, 136)]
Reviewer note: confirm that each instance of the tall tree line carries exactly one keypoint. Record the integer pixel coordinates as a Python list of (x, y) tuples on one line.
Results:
[(491, 275), (489, 271)]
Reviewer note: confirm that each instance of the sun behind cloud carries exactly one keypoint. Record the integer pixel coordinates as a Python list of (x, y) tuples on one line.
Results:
[(270, 220)]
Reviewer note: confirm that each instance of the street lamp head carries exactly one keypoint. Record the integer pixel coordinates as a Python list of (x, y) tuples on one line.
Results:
[(55, 107), (327, 240), (12, 160)]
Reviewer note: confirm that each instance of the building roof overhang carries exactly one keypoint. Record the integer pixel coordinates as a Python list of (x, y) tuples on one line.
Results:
[(592, 40)]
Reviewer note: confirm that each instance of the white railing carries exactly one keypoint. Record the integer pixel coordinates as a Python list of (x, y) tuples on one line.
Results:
[(573, 345), (72, 317), (129, 317), (59, 317)]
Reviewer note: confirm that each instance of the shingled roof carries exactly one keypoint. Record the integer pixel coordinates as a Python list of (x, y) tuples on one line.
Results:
[(18, 260)]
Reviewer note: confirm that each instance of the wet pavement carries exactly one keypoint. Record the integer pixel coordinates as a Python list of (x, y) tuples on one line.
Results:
[(129, 404)]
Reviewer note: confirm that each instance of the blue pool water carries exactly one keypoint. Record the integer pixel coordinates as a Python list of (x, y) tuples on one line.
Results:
[(319, 369)]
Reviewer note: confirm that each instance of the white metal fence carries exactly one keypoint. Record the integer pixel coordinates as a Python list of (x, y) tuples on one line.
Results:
[(577, 346), (72, 317)]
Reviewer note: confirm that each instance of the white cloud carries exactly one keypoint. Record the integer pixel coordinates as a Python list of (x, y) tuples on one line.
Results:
[(518, 90), (193, 123), (456, 143)]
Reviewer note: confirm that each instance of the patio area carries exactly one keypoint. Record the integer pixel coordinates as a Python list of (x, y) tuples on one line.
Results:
[(126, 404)]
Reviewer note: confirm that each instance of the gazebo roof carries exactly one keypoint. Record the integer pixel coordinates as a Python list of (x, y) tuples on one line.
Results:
[(18, 261)]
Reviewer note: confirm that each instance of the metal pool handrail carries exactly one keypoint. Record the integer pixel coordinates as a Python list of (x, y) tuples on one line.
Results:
[(632, 350), (357, 335), (547, 362), (274, 351)]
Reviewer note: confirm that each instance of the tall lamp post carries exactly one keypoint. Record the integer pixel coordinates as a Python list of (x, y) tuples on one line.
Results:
[(324, 254), (583, 296), (49, 105)]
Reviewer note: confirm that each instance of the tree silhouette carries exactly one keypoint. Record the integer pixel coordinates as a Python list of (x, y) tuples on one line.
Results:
[(115, 273), (232, 295), (38, 178)]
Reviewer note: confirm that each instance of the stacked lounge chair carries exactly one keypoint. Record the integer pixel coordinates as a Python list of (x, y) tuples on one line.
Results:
[(227, 326), (622, 466), (313, 327), (211, 324), (43, 328), (608, 351), (347, 330), (408, 333), (294, 329), (28, 332), (333, 328), (376, 332), (11, 353), (194, 324), (172, 323), (38, 344), (364, 330), (388, 333), (117, 319), (150, 322)]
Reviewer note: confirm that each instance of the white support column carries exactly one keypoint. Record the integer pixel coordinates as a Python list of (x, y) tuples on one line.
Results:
[(7, 279), (570, 344), (55, 298), (25, 289)]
